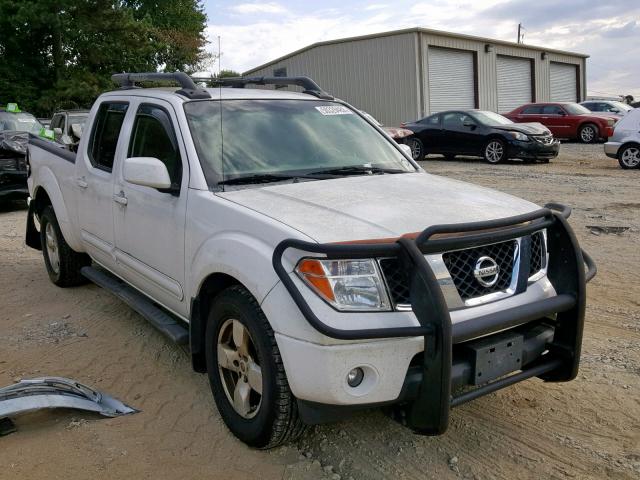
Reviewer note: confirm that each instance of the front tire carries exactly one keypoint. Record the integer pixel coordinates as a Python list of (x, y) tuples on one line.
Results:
[(417, 148), (246, 373), (629, 157), (588, 133), (62, 262), (495, 151)]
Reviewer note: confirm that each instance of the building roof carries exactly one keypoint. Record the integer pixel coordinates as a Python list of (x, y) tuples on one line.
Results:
[(416, 30)]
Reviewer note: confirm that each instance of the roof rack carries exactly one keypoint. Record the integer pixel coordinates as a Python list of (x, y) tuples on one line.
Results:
[(310, 87), (189, 88)]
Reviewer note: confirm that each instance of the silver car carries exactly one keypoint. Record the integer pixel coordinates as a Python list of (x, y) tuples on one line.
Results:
[(625, 142)]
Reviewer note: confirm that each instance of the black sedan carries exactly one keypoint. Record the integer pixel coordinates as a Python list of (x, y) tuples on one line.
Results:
[(483, 134)]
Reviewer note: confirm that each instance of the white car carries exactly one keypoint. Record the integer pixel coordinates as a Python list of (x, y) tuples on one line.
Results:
[(311, 266), (625, 142)]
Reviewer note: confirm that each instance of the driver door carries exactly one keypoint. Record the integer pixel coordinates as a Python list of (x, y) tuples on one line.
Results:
[(149, 223)]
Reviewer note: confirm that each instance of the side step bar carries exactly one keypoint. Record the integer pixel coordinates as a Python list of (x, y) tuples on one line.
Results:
[(171, 327)]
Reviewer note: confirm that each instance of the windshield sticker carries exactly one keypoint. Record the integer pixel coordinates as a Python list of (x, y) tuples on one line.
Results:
[(334, 110)]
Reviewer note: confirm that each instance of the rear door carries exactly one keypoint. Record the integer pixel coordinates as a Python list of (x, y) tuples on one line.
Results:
[(149, 223), (94, 180)]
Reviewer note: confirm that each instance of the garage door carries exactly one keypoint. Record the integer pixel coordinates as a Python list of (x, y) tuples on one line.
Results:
[(451, 79), (514, 82), (563, 82)]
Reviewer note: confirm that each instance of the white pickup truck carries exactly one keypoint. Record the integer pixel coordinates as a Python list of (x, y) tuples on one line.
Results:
[(310, 265)]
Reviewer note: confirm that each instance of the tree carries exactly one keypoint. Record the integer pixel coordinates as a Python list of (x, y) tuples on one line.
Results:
[(57, 52)]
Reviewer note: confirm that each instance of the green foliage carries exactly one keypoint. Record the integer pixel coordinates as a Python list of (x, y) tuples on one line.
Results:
[(227, 74), (62, 53)]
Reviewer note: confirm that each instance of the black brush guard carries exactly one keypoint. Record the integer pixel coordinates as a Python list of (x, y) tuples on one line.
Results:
[(429, 412)]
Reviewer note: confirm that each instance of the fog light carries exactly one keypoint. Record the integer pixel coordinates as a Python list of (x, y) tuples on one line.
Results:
[(355, 376)]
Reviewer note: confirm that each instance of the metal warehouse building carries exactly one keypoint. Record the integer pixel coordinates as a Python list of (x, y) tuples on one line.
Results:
[(407, 74)]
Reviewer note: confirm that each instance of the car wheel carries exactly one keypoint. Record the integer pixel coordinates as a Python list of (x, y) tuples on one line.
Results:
[(62, 262), (246, 373), (495, 151), (588, 133), (629, 157), (417, 148)]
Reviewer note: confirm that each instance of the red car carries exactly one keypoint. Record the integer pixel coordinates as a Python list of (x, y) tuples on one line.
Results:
[(566, 120)]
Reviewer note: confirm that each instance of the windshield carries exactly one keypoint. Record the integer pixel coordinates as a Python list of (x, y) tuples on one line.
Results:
[(238, 138), (20, 122), (491, 119), (623, 107), (575, 109), (77, 119)]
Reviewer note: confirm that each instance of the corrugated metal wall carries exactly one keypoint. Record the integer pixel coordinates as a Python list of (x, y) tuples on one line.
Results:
[(377, 75), (388, 76)]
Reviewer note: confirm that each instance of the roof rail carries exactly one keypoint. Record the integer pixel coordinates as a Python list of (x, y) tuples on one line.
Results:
[(189, 88), (310, 87)]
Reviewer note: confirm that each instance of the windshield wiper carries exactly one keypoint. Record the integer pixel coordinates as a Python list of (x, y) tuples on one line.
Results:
[(357, 170), (258, 178)]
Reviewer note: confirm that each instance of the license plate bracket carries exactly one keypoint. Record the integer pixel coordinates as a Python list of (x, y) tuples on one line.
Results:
[(495, 356)]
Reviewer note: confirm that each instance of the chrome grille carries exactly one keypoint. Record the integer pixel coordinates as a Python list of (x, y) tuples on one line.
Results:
[(461, 265), (538, 253), (397, 281)]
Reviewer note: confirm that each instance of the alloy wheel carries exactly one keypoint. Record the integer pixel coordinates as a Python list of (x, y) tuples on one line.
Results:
[(240, 374), (416, 149), (53, 251), (494, 151), (587, 134), (631, 157)]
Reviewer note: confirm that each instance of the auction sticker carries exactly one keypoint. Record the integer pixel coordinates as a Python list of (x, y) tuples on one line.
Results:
[(334, 110)]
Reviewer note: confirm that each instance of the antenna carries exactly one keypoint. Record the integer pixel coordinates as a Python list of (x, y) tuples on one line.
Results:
[(219, 58)]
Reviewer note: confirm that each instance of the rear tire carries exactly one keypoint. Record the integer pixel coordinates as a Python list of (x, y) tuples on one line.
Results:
[(62, 262), (261, 410), (417, 148), (588, 133), (629, 157), (495, 151)]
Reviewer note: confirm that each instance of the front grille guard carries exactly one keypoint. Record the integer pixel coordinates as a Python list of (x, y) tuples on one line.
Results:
[(566, 271)]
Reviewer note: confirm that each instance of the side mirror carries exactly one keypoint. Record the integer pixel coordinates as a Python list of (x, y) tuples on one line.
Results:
[(57, 131), (76, 129), (406, 149), (147, 172), (563, 113), (469, 124)]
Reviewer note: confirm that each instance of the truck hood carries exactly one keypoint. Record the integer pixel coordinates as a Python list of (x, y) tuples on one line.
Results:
[(376, 206), (533, 128)]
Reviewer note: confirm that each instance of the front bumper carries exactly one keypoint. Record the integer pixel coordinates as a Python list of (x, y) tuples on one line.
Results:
[(533, 149), (428, 390), (611, 149)]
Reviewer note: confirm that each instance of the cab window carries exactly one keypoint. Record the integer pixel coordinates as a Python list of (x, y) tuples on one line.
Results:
[(153, 136), (106, 131)]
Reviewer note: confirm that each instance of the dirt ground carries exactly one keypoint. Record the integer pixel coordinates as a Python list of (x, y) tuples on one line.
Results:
[(589, 428)]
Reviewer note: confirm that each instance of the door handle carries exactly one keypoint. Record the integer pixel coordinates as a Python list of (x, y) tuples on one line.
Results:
[(120, 198), (82, 182)]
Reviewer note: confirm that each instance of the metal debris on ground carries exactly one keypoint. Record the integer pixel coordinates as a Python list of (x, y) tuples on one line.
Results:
[(599, 229), (55, 392)]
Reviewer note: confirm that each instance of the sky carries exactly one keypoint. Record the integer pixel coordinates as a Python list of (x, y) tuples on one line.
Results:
[(253, 33)]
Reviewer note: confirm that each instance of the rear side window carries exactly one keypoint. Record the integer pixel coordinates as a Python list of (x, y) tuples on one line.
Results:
[(153, 136), (432, 120), (532, 110), (106, 131)]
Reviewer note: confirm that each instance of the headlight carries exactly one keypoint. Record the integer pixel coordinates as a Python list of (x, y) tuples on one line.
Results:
[(348, 285), (519, 136), (611, 122)]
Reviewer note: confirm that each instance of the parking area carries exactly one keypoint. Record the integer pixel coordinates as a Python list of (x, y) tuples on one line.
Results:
[(589, 428)]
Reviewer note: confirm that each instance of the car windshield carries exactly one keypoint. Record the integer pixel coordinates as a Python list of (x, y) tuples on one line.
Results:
[(623, 107), (575, 109), (491, 119), (272, 139), (77, 119), (19, 122)]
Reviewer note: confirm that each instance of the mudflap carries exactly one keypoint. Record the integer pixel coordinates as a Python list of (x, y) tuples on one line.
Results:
[(32, 235)]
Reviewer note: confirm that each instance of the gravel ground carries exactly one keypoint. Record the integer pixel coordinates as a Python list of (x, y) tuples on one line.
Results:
[(589, 428)]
